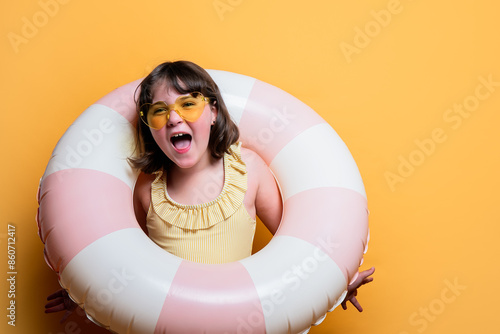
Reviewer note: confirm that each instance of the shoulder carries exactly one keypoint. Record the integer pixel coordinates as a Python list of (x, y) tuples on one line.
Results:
[(259, 174), (253, 161), (144, 181), (257, 169)]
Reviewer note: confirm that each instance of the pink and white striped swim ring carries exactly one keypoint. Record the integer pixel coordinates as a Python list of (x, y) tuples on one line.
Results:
[(128, 284)]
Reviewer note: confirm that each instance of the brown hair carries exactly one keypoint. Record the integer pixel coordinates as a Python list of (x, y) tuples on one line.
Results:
[(184, 77)]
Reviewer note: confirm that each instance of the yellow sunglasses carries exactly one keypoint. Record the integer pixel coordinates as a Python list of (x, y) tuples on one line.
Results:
[(189, 107)]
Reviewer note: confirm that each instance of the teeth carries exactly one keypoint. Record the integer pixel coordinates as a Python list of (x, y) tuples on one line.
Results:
[(178, 135)]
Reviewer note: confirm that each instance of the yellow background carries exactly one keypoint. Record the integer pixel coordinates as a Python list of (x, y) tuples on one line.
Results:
[(434, 226)]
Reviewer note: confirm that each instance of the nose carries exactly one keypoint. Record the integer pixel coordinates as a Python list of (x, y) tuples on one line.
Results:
[(174, 118)]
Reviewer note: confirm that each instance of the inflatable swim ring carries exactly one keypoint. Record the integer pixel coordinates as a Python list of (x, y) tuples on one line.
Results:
[(127, 284)]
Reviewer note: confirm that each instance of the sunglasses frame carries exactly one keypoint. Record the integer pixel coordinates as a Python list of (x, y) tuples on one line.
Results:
[(171, 107)]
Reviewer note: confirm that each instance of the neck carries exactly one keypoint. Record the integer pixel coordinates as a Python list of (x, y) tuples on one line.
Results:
[(198, 184), (202, 166)]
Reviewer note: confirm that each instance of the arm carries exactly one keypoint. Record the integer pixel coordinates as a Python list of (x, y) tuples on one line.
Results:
[(268, 203)]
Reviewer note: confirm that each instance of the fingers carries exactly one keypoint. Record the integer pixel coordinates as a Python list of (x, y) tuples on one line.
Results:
[(58, 293), (353, 301), (363, 278), (364, 274), (370, 271), (356, 304), (59, 308), (54, 302), (365, 281), (56, 308), (60, 301)]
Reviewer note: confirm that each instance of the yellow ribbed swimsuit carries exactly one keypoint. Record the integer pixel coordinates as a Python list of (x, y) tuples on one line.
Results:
[(219, 231)]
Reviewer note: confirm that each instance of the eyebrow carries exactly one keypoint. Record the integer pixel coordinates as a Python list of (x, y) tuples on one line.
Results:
[(183, 97), (180, 98)]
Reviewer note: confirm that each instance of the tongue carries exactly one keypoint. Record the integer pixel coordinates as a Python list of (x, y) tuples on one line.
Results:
[(181, 142)]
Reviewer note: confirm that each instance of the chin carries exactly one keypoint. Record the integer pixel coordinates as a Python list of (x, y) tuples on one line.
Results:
[(184, 163)]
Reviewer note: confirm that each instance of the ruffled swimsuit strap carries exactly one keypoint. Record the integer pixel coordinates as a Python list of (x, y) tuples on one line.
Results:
[(203, 216)]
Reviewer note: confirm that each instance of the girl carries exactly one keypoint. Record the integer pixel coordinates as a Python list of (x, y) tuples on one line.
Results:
[(199, 191), (188, 144)]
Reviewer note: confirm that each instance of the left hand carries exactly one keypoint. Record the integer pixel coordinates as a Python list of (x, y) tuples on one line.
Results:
[(352, 289), (60, 301)]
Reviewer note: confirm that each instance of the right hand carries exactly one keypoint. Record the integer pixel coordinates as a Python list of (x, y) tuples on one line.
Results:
[(352, 290), (60, 301)]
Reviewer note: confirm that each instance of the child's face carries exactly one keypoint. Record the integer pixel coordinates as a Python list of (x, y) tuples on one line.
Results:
[(185, 143)]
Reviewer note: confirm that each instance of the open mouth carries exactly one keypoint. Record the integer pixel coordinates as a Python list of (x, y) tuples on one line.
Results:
[(181, 141)]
